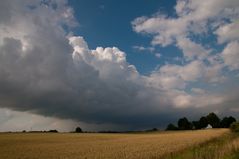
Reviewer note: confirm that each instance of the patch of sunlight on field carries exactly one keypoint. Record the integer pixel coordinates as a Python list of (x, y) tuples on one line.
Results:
[(100, 146)]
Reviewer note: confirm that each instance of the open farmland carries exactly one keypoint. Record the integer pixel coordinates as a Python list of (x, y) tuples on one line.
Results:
[(94, 145)]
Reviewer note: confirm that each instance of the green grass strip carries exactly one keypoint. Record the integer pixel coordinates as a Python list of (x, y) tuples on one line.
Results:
[(218, 148)]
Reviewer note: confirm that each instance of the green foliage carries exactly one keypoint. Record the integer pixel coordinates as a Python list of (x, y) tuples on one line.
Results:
[(53, 131), (154, 129), (171, 127), (213, 120), (227, 121), (196, 125), (184, 124), (235, 127), (223, 147), (235, 155), (78, 130), (203, 122)]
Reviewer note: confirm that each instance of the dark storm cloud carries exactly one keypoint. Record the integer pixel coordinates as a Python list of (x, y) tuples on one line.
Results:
[(47, 81)]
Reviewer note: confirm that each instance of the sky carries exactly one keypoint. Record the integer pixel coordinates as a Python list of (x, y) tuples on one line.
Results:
[(116, 65)]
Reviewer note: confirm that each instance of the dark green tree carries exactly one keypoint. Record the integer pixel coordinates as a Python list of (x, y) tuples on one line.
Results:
[(231, 120), (184, 124), (213, 120), (171, 127), (227, 121), (203, 122), (78, 130), (235, 127), (196, 125), (53, 131)]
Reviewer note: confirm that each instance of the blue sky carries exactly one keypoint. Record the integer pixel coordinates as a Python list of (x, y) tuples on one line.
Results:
[(107, 24), (127, 65)]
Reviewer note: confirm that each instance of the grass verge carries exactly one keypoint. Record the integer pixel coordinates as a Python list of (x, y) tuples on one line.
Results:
[(224, 147)]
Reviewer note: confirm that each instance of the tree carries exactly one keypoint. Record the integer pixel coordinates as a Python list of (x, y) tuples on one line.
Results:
[(196, 125), (203, 122), (78, 130), (53, 131), (184, 124), (227, 121), (213, 120), (154, 129), (235, 127), (231, 120), (171, 127)]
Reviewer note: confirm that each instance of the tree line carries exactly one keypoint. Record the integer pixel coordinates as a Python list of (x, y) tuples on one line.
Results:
[(203, 122)]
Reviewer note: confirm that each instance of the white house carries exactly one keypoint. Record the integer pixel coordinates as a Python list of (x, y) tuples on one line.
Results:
[(208, 126)]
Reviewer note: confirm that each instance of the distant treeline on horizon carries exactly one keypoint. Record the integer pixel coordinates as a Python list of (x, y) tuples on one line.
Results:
[(209, 121)]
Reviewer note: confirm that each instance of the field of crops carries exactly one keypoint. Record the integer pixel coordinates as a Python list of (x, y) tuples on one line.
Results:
[(100, 146)]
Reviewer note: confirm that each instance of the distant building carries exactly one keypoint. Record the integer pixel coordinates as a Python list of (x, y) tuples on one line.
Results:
[(208, 126)]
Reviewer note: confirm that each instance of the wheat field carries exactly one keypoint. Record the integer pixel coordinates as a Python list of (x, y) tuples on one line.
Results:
[(100, 146)]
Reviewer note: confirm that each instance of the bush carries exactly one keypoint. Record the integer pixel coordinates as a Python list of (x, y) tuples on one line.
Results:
[(235, 127), (171, 127), (213, 120), (53, 131), (227, 121), (78, 130), (184, 124)]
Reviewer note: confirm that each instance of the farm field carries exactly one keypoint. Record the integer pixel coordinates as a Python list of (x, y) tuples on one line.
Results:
[(102, 146)]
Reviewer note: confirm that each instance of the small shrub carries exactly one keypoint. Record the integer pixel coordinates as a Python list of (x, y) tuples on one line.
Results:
[(53, 131), (235, 127), (171, 127), (78, 130)]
